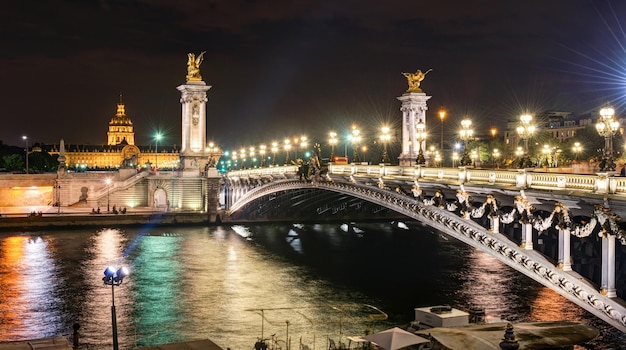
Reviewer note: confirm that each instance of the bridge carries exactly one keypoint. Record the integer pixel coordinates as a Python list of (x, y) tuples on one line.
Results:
[(561, 230)]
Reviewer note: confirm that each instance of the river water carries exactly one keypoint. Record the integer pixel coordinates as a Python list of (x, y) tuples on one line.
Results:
[(309, 282)]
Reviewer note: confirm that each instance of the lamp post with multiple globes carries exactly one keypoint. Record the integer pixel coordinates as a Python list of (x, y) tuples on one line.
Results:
[(262, 150), (356, 140), (274, 151), (332, 141), (607, 126), (287, 146), (577, 148), (420, 135), (385, 137), (466, 133), (525, 131), (114, 278)]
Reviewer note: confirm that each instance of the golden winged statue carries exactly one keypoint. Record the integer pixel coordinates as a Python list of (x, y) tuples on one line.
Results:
[(414, 80), (193, 66)]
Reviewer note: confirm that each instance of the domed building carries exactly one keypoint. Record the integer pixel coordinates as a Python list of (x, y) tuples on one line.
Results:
[(120, 150)]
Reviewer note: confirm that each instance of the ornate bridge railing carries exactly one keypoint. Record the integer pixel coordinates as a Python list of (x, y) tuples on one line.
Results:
[(521, 178)]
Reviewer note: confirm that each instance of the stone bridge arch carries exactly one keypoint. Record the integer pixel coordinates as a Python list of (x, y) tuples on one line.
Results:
[(533, 264)]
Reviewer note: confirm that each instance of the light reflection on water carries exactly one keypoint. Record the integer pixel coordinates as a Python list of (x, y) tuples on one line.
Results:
[(193, 283)]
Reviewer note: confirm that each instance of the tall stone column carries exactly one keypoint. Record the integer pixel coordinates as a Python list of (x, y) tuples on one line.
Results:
[(413, 109), (193, 151)]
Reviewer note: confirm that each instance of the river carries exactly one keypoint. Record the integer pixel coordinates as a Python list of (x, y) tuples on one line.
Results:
[(310, 282)]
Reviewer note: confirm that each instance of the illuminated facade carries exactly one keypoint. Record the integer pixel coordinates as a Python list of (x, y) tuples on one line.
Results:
[(120, 149)]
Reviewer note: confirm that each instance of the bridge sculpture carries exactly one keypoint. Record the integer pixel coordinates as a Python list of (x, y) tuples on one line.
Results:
[(454, 217)]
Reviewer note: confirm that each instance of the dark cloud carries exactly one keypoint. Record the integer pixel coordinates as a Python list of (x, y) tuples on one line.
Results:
[(288, 67)]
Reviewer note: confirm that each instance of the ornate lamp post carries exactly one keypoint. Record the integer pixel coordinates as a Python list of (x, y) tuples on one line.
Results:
[(420, 135), (496, 156), (303, 144), (546, 152), (108, 182), (525, 130), (274, 151), (607, 126), (455, 158), (356, 139), (466, 133), (212, 149), (332, 141), (442, 116), (385, 137), (251, 154), (25, 138), (262, 150), (242, 156), (577, 148), (114, 278), (287, 148)]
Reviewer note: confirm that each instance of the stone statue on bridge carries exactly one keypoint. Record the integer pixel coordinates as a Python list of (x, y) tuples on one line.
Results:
[(193, 66), (414, 80)]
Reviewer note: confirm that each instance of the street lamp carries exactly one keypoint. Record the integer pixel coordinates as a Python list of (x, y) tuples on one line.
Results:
[(442, 116), (108, 182), (157, 138), (420, 135), (242, 156), (466, 133), (26, 150), (252, 149), (212, 149), (607, 126), (332, 141), (287, 148), (577, 148), (274, 151), (546, 152), (455, 158), (114, 278), (385, 137), (262, 149), (303, 144), (496, 156), (356, 139)]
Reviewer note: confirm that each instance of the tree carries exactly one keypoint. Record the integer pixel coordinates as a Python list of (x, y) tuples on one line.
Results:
[(14, 162)]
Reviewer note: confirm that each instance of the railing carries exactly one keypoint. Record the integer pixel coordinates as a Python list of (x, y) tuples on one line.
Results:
[(607, 183)]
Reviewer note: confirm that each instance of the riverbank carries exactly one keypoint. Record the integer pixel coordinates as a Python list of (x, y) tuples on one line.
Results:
[(52, 218)]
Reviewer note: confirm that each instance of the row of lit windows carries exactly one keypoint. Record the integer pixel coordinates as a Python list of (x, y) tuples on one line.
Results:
[(121, 129)]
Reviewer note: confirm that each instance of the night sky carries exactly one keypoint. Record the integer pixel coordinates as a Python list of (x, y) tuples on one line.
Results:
[(287, 68)]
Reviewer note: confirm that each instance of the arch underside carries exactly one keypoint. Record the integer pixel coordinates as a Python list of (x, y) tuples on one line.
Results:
[(308, 197)]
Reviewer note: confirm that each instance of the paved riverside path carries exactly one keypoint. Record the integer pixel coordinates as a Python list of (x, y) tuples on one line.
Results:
[(20, 218)]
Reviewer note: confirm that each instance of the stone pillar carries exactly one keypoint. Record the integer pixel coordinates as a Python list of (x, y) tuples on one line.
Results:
[(608, 266), (193, 150), (565, 260), (413, 109), (527, 236)]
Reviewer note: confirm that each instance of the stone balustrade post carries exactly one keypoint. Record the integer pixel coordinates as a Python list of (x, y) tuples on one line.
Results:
[(608, 266), (565, 260), (527, 237), (494, 223)]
